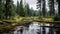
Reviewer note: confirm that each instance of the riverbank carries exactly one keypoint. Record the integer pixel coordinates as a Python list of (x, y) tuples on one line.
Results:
[(33, 28), (6, 25)]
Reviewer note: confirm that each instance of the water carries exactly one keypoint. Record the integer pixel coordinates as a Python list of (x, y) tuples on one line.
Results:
[(34, 28)]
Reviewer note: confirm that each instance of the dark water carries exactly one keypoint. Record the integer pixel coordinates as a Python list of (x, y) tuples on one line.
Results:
[(35, 28)]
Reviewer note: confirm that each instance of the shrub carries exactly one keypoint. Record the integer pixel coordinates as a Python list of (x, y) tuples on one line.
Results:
[(57, 18)]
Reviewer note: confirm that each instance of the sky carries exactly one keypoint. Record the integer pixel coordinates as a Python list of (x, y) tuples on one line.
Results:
[(32, 3)]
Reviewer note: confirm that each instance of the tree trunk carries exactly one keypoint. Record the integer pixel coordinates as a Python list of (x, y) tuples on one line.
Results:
[(59, 7), (43, 9)]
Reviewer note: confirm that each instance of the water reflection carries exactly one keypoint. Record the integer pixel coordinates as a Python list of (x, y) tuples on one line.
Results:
[(34, 28)]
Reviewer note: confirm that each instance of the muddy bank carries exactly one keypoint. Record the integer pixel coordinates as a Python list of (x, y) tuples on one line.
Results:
[(13, 28)]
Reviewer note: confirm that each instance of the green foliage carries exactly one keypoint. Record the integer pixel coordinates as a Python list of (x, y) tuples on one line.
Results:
[(18, 8), (22, 13), (51, 7), (57, 18), (42, 5), (25, 10), (28, 11), (58, 1), (1, 10), (9, 9)]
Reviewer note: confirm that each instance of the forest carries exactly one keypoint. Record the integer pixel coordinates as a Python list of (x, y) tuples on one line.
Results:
[(12, 14), (9, 10)]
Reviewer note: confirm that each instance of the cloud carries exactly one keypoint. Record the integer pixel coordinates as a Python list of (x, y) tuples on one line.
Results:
[(31, 2), (15, 1), (33, 6)]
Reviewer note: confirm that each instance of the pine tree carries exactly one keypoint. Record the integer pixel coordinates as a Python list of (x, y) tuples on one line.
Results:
[(39, 4), (58, 7), (9, 9), (1, 10), (22, 13), (28, 10), (18, 7), (42, 6), (25, 10), (43, 9), (51, 6)]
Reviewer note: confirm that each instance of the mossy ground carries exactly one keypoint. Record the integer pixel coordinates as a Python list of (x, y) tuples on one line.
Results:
[(10, 24)]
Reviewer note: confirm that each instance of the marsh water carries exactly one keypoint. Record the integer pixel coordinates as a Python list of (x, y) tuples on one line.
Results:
[(34, 28)]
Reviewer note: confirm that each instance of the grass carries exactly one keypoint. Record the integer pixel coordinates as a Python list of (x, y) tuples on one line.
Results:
[(48, 19), (19, 20), (9, 24)]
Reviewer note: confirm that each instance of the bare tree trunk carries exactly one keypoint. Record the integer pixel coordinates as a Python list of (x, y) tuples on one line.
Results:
[(43, 9), (59, 7)]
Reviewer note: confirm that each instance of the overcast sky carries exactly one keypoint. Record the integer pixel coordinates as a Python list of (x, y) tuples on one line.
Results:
[(32, 3)]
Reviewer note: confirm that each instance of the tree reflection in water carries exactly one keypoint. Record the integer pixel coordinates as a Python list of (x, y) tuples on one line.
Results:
[(35, 28)]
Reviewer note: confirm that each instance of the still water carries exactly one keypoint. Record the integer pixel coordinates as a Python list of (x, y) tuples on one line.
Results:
[(35, 28)]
